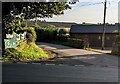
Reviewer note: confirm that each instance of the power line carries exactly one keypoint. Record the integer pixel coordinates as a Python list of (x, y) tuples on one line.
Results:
[(84, 5), (91, 4)]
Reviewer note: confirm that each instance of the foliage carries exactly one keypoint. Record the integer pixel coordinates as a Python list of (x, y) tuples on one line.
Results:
[(35, 9), (69, 43), (29, 10), (12, 23), (63, 31), (27, 50), (24, 52), (30, 35), (116, 46), (37, 27), (118, 38), (46, 33), (49, 34)]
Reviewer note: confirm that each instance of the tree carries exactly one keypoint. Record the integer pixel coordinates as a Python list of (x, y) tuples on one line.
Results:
[(31, 10), (63, 31), (12, 19)]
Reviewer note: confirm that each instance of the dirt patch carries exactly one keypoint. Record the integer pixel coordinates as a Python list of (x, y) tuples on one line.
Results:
[(50, 53)]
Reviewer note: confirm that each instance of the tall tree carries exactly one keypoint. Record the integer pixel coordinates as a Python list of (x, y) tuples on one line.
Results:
[(31, 10)]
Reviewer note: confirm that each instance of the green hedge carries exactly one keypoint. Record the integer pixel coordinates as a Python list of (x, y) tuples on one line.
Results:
[(116, 46), (24, 52), (46, 33), (49, 34), (27, 50)]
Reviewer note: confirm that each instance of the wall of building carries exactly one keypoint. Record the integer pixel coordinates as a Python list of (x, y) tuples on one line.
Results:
[(95, 39)]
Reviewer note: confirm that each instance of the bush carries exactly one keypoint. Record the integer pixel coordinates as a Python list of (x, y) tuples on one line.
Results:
[(49, 34), (116, 46), (70, 44), (62, 38), (63, 31), (37, 27), (13, 23), (26, 49), (46, 33), (30, 34), (25, 52)]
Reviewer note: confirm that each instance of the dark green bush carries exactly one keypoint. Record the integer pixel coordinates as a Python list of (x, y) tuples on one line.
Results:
[(116, 46), (49, 34), (69, 43), (46, 33), (24, 52), (30, 34), (27, 49), (62, 38), (63, 31)]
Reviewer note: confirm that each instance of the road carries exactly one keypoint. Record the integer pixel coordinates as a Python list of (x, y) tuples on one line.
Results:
[(23, 72), (96, 58), (78, 66)]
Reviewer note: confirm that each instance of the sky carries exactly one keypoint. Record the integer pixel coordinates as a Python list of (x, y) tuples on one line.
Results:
[(89, 11)]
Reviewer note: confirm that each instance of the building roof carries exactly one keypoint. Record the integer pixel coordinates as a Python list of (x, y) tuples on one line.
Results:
[(93, 29)]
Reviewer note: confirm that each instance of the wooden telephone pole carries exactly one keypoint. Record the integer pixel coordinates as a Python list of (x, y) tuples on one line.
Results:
[(104, 26)]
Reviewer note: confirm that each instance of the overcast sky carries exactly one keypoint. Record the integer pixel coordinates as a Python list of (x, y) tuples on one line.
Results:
[(89, 11)]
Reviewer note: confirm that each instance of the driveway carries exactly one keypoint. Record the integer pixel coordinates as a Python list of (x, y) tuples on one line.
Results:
[(92, 57)]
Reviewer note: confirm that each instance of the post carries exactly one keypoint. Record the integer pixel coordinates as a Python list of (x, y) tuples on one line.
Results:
[(104, 26)]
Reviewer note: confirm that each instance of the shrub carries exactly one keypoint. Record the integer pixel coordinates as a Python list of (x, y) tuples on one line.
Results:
[(63, 31), (30, 34), (37, 27), (46, 33), (26, 49), (62, 38), (25, 52), (70, 44), (116, 46), (13, 23)]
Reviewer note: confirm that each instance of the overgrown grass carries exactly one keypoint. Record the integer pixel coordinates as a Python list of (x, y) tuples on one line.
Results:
[(24, 52)]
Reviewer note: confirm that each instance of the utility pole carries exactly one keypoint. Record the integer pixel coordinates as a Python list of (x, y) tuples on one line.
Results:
[(104, 26)]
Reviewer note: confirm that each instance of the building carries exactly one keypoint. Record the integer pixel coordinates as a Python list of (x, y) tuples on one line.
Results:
[(93, 34)]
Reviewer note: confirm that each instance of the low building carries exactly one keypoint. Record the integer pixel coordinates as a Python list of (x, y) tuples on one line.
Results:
[(93, 34)]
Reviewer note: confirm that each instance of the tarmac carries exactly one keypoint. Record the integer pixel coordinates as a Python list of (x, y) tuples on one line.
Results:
[(96, 57)]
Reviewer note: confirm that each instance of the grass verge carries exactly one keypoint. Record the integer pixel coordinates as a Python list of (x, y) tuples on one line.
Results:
[(67, 43), (24, 52)]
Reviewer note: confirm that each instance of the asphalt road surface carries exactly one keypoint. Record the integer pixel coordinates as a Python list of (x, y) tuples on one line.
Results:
[(36, 72)]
